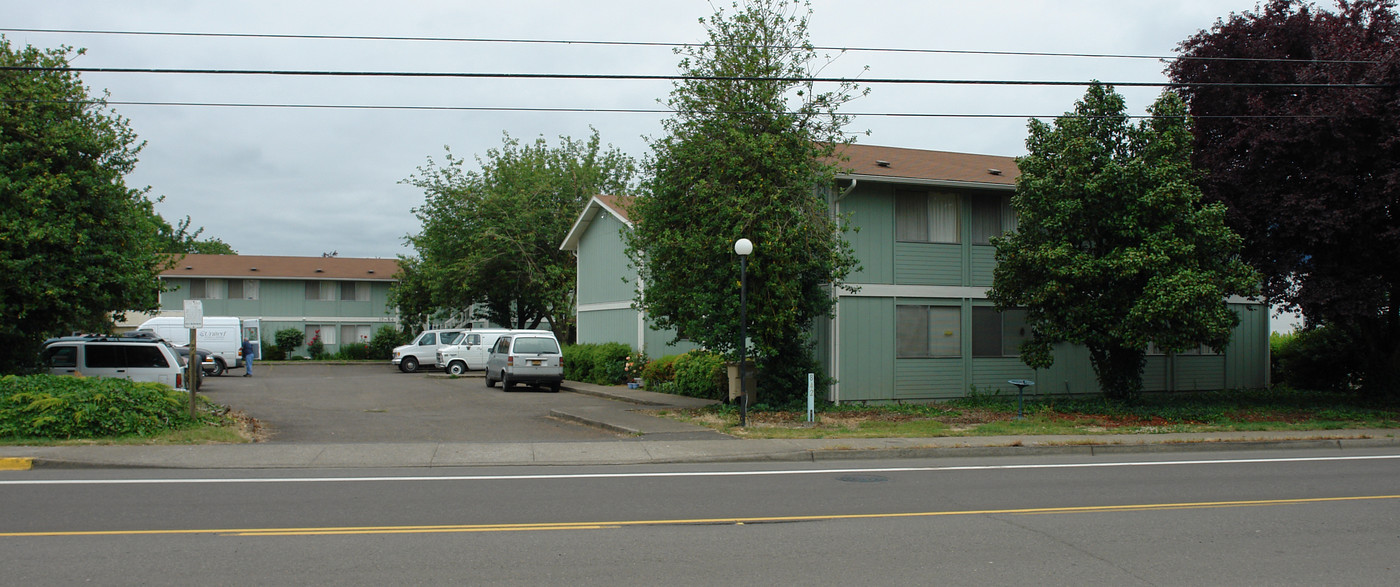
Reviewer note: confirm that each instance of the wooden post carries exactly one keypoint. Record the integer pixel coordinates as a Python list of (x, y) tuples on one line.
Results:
[(190, 381)]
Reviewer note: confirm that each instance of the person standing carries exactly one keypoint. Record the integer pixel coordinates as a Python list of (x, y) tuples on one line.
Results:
[(248, 352)]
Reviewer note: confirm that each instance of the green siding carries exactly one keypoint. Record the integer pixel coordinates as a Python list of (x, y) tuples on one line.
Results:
[(928, 264), (929, 379), (599, 326), (866, 370), (1154, 373), (604, 273), (990, 375), (1198, 372), (1247, 357), (873, 212), (983, 260)]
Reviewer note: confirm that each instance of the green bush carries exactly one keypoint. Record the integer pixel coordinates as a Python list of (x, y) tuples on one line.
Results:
[(381, 345), (1321, 358), (578, 361), (660, 372), (288, 339), (355, 351), (609, 364), (316, 348), (271, 352), (700, 374), (602, 364), (52, 406)]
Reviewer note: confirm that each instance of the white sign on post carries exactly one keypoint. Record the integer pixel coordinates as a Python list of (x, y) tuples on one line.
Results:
[(194, 313)]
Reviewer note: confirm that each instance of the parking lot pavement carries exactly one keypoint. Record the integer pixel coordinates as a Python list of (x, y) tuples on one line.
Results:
[(312, 403)]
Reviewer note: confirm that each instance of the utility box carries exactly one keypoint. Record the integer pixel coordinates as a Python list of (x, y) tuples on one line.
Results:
[(750, 377)]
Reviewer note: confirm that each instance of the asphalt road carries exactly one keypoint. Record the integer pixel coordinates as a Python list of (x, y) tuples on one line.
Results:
[(377, 403), (1264, 518)]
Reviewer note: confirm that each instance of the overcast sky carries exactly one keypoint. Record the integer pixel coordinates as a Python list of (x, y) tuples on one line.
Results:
[(307, 181)]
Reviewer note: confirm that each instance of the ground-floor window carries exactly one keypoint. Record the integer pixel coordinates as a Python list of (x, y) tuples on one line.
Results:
[(325, 331), (998, 334), (353, 333), (928, 331)]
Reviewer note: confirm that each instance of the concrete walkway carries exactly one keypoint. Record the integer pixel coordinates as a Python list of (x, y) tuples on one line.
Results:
[(645, 439)]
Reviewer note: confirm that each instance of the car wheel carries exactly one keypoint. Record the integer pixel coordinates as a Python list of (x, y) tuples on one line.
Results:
[(506, 383), (408, 365), (219, 368), (554, 388), (457, 368), (489, 381)]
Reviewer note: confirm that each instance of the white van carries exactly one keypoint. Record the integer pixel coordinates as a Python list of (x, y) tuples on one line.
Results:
[(470, 353), (423, 350), (221, 335)]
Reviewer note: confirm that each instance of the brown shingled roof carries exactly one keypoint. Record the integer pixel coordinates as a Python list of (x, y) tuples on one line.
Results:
[(618, 204), (267, 267), (919, 164)]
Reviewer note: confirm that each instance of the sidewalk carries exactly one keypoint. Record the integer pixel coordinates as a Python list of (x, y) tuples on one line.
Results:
[(655, 440)]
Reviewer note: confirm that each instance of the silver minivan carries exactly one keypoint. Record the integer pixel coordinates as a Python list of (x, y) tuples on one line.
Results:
[(134, 358), (532, 359)]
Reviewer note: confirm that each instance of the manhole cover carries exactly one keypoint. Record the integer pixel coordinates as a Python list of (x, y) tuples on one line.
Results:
[(863, 478)]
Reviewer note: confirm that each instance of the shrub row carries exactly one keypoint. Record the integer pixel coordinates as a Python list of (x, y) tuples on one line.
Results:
[(601, 364), (52, 406), (379, 348), (697, 373)]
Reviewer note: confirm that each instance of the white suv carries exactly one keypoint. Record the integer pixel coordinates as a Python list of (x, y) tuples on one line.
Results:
[(423, 350), (134, 358), (533, 359)]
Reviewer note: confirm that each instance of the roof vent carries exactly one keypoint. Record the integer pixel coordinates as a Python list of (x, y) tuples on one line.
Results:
[(188, 268), (371, 271), (994, 171), (252, 268), (319, 270), (882, 163)]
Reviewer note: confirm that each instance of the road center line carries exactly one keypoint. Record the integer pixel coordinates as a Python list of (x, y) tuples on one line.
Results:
[(358, 530), (566, 476)]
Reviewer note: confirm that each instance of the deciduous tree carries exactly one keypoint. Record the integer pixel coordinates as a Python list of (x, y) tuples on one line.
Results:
[(491, 236), (1310, 165), (76, 244), (1114, 249), (746, 156)]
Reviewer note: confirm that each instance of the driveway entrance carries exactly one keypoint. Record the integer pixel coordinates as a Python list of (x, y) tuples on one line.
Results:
[(376, 403)]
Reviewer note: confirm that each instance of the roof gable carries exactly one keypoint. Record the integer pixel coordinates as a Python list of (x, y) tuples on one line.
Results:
[(617, 206)]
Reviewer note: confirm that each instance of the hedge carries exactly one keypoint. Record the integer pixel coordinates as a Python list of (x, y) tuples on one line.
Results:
[(54, 406)]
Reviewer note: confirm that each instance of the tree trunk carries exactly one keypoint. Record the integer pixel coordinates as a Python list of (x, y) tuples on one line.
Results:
[(1119, 370)]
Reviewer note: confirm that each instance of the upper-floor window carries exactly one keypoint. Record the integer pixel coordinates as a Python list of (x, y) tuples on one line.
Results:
[(356, 291), (206, 289), (242, 289), (320, 290), (991, 216), (923, 217)]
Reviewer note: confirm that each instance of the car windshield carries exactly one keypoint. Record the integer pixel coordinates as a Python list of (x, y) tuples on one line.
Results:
[(536, 345)]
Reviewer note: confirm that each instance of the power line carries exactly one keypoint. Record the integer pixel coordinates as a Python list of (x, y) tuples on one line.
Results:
[(572, 110), (652, 77), (666, 45)]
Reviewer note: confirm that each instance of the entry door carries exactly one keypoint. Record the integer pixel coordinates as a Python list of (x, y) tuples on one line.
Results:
[(252, 330)]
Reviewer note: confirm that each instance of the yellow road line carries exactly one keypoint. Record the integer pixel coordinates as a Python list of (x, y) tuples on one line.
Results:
[(16, 463), (697, 521)]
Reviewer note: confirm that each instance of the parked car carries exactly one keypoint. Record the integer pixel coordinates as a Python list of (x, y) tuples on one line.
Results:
[(206, 363), (137, 358), (423, 350), (471, 350), (532, 359)]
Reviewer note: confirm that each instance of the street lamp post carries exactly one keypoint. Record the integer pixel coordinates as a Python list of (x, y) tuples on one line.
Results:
[(743, 247)]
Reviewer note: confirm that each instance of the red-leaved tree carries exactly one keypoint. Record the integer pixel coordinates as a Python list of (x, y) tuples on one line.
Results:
[(1298, 128)]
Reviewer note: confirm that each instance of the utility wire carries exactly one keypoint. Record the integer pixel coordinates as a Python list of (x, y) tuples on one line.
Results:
[(667, 45), (597, 110), (649, 77)]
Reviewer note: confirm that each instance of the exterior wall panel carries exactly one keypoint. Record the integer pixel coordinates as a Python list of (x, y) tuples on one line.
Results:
[(929, 379), (983, 261), (873, 211), (866, 357), (928, 264), (604, 274)]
